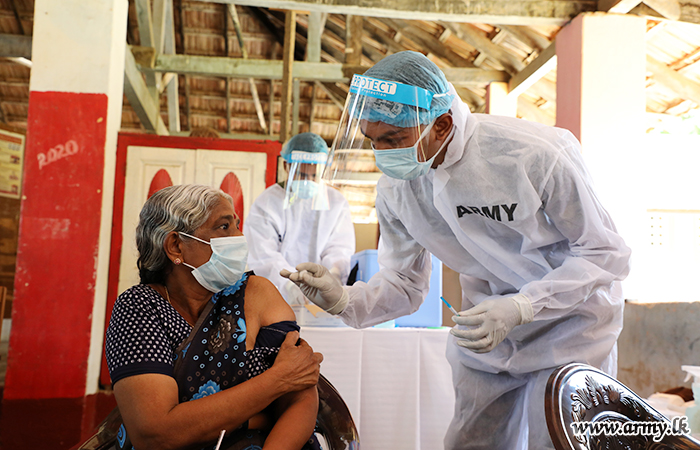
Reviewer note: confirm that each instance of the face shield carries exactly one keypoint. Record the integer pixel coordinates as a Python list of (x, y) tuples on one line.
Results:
[(304, 183), (386, 119)]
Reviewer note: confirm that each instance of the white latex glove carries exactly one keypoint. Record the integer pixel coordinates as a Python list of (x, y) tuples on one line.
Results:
[(320, 286), (494, 319), (293, 294)]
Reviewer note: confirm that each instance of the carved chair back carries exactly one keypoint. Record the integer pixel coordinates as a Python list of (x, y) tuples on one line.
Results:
[(579, 394)]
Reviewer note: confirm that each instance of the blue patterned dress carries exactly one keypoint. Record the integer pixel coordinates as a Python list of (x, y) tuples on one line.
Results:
[(147, 335)]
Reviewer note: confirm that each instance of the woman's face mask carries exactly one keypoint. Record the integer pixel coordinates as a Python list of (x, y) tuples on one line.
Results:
[(402, 163), (226, 265)]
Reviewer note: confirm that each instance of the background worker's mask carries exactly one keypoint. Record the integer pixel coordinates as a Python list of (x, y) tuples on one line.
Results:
[(304, 184), (305, 189)]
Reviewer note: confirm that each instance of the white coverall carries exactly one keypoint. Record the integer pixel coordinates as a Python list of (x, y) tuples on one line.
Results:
[(512, 210), (281, 238)]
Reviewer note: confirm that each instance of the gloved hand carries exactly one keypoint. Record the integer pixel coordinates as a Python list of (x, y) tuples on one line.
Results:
[(320, 286), (494, 319)]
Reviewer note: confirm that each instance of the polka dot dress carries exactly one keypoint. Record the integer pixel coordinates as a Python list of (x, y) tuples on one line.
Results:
[(143, 334)]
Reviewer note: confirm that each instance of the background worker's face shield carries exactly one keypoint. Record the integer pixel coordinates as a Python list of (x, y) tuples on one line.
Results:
[(379, 115), (304, 183)]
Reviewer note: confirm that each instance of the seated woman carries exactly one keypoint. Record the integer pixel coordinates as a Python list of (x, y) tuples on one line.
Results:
[(201, 346)]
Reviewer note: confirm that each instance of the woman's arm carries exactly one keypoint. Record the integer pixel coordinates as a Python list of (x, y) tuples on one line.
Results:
[(296, 418), (295, 412), (155, 420)]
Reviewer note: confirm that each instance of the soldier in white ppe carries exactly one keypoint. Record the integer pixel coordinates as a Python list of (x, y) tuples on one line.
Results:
[(302, 220), (509, 205)]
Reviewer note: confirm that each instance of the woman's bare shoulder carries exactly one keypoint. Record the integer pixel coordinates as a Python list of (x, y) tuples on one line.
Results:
[(264, 300)]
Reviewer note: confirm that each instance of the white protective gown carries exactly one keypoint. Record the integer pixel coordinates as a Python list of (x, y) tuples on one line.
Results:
[(511, 209), (281, 238)]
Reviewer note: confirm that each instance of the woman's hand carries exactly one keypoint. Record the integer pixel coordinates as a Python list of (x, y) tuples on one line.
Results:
[(297, 366)]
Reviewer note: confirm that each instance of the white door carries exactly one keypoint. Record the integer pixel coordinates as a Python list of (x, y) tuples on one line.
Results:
[(213, 168), (148, 169)]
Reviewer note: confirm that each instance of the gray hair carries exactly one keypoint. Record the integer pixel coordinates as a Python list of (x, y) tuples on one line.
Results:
[(183, 208)]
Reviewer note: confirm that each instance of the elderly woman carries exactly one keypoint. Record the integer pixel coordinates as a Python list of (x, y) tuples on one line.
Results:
[(201, 346)]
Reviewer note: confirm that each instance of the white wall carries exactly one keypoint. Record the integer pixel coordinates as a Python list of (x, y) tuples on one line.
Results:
[(666, 244)]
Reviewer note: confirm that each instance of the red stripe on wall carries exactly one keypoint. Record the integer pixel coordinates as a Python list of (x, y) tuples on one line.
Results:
[(57, 249)]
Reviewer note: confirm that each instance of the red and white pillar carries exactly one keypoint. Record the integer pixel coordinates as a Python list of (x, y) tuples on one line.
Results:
[(75, 105), (601, 99)]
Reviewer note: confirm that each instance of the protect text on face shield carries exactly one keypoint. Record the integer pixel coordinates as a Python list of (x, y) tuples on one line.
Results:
[(372, 84)]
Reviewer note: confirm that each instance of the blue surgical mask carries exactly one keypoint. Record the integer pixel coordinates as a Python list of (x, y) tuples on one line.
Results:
[(402, 163), (226, 265), (305, 188)]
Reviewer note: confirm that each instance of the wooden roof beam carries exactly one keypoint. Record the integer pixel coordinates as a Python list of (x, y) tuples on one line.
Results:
[(510, 12), (217, 66), (148, 39), (290, 24), (431, 43), (15, 46), (353, 40), (669, 9), (527, 36), (145, 107), (251, 81), (476, 39), (533, 72), (617, 6), (683, 86), (170, 80), (316, 24)]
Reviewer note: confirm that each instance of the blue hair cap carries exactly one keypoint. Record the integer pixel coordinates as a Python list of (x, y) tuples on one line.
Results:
[(414, 69), (304, 142)]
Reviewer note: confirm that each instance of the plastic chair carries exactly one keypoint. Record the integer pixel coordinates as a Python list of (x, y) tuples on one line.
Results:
[(581, 393), (334, 424)]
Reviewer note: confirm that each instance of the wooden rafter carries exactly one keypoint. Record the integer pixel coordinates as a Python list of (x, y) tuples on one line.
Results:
[(287, 72), (251, 81), (513, 12), (431, 43), (681, 85), (531, 74), (217, 66), (146, 33), (140, 99), (170, 80), (13, 4)]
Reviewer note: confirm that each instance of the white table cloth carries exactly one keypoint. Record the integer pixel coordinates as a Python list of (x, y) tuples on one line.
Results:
[(396, 382)]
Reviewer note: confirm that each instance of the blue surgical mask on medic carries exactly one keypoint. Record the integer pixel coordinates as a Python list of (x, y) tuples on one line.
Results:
[(226, 265), (402, 163), (304, 188)]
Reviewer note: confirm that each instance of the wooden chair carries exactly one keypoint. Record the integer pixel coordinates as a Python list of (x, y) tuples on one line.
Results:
[(334, 424), (581, 393)]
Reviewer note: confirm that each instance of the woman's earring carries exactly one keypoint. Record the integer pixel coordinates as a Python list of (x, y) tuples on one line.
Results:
[(177, 261)]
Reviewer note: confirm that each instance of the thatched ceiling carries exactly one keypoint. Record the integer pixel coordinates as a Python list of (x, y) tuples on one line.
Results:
[(207, 29), (474, 42)]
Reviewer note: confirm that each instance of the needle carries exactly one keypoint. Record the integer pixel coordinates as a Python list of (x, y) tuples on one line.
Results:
[(454, 311), (221, 438)]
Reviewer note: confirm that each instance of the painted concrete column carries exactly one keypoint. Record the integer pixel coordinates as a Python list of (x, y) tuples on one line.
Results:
[(498, 102), (75, 103), (601, 99)]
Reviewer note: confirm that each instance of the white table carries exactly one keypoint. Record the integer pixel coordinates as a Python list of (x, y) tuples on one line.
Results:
[(396, 382)]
